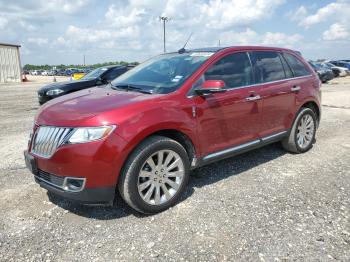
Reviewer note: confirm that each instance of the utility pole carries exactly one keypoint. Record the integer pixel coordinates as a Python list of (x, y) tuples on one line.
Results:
[(84, 60), (164, 19)]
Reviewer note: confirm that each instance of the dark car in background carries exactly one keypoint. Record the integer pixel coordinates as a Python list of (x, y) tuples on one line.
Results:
[(324, 73), (341, 64), (97, 77)]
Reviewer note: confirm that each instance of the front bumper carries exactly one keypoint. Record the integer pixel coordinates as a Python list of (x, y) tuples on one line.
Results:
[(58, 185), (103, 195), (97, 164)]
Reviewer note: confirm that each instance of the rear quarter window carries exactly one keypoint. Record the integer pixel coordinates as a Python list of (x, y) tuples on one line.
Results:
[(298, 68)]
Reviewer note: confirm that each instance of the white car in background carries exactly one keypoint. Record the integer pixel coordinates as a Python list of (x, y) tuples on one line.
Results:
[(342, 71), (45, 73)]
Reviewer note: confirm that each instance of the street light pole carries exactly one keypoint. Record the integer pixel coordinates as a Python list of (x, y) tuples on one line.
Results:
[(164, 19)]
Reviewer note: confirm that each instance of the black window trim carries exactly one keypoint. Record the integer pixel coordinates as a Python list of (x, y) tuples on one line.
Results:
[(280, 54), (191, 92)]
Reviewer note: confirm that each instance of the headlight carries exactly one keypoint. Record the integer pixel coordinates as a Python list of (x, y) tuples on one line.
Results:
[(87, 134), (54, 92)]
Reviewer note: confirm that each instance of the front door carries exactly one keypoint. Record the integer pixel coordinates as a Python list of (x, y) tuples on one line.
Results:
[(233, 117)]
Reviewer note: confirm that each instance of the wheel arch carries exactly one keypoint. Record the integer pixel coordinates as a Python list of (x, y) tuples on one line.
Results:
[(174, 134), (314, 107)]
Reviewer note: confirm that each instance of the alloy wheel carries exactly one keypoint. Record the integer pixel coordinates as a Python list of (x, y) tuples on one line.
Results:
[(305, 131), (160, 177)]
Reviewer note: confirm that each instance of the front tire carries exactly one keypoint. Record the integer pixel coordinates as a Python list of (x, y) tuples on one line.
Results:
[(302, 134), (155, 175)]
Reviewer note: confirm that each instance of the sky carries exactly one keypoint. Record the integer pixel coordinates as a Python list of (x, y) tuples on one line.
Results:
[(63, 31)]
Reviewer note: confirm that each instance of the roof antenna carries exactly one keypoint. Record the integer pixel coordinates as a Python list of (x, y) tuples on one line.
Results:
[(183, 50)]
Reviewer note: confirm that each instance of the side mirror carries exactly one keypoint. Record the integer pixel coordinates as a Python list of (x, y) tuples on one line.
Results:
[(211, 86)]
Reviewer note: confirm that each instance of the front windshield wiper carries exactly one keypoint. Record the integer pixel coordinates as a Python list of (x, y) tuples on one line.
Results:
[(130, 88)]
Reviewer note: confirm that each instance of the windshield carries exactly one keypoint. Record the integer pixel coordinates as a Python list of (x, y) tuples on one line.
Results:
[(95, 73), (163, 74)]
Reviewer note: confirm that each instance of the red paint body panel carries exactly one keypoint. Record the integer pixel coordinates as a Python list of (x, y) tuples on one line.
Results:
[(227, 119), (212, 123)]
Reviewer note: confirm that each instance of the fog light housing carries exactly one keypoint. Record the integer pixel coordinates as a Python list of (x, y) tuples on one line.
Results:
[(74, 184)]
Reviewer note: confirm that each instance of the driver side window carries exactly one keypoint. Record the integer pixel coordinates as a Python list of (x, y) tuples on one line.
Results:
[(234, 69)]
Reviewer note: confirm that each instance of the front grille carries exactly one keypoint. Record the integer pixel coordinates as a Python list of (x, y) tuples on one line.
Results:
[(47, 139), (50, 178)]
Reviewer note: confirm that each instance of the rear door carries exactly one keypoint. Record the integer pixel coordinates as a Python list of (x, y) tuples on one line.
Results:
[(276, 91), (233, 117)]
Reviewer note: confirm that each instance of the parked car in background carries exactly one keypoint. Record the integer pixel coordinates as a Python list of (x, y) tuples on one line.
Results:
[(337, 70), (341, 64), (45, 73), (143, 133), (35, 72), (324, 73), (97, 77)]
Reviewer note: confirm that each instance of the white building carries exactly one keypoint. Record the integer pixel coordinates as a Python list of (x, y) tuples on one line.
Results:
[(10, 63)]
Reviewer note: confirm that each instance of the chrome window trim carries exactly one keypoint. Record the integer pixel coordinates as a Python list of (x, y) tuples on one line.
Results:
[(259, 84)]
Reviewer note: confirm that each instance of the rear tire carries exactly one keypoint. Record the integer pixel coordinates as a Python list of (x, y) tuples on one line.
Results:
[(302, 134), (155, 175)]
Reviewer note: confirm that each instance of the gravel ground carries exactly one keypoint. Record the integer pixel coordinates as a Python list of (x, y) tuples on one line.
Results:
[(264, 205)]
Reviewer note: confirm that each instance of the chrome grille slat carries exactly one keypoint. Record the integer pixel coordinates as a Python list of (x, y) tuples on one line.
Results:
[(41, 136), (53, 137), (59, 135), (44, 139), (47, 139)]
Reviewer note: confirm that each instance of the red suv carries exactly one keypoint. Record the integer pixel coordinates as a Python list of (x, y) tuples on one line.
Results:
[(143, 133)]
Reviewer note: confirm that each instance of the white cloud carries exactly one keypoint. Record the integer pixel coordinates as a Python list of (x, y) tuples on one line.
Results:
[(137, 22), (299, 14), (338, 11), (250, 37), (224, 14), (336, 32), (38, 40), (65, 6), (120, 17), (281, 39)]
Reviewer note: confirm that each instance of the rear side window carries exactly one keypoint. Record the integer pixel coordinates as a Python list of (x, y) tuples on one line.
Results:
[(297, 66), (267, 66), (234, 69)]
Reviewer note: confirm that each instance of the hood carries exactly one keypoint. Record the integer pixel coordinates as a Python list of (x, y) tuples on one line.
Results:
[(80, 108), (66, 85)]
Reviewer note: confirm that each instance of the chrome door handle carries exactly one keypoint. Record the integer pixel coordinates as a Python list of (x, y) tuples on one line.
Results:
[(253, 98), (295, 88)]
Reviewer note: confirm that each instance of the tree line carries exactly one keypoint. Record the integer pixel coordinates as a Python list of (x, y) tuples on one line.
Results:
[(63, 67)]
